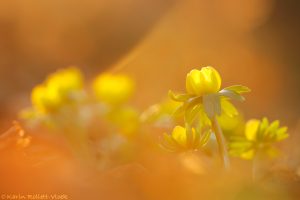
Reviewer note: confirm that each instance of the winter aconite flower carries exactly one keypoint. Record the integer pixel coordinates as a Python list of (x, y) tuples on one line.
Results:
[(204, 94), (202, 82), (259, 138), (60, 88), (204, 100), (113, 88), (180, 140)]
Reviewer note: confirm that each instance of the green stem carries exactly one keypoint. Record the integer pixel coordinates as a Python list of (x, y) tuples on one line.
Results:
[(221, 143)]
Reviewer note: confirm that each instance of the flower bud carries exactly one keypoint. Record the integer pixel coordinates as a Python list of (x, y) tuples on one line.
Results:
[(202, 82)]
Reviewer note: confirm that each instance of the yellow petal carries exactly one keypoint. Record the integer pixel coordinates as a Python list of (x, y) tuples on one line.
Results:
[(204, 81), (193, 82), (37, 96), (251, 129), (179, 135), (210, 80)]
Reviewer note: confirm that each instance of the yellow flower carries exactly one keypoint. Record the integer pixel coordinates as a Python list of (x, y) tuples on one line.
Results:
[(251, 129), (60, 88), (179, 135), (113, 89), (45, 100), (204, 81), (265, 132), (259, 136), (65, 81), (180, 141), (203, 89)]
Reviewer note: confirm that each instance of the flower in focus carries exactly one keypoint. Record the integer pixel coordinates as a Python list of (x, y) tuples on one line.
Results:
[(259, 138), (204, 95), (113, 89), (204, 81), (62, 87), (182, 140)]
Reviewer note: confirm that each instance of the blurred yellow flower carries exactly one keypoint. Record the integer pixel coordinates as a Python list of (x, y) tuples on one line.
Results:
[(126, 120), (113, 89), (60, 88), (45, 100), (259, 137), (180, 141), (65, 81), (204, 81)]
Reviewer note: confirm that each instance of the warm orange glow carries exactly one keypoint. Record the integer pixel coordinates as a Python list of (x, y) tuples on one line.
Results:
[(105, 128)]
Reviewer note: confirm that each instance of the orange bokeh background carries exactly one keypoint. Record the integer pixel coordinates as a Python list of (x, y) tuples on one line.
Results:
[(253, 43)]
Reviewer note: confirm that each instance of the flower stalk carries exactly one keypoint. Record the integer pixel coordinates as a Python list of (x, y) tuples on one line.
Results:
[(221, 143), (259, 166)]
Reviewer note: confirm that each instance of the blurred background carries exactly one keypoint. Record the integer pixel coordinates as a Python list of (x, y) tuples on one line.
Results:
[(253, 43)]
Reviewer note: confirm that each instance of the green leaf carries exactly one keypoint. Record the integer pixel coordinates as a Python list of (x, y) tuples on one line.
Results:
[(187, 106), (180, 110), (205, 138), (232, 95), (190, 105), (228, 108), (168, 142), (240, 89), (179, 97), (196, 138), (191, 114)]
